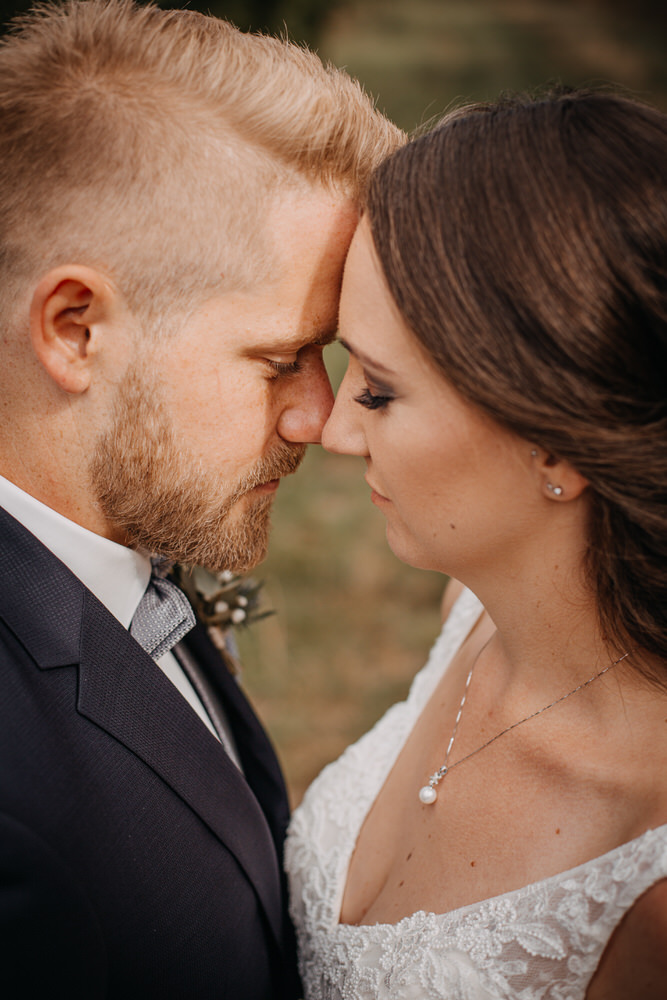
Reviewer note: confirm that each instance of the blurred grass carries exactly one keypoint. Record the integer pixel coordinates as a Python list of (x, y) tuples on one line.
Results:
[(354, 624)]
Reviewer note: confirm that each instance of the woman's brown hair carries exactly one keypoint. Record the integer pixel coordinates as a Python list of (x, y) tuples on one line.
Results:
[(525, 244)]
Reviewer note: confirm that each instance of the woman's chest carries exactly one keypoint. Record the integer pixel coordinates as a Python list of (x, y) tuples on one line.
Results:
[(541, 941), (521, 811)]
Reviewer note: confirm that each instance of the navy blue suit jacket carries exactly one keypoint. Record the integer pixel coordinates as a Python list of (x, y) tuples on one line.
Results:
[(135, 859)]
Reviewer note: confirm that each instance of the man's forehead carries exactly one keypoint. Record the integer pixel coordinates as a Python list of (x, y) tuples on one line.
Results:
[(309, 225)]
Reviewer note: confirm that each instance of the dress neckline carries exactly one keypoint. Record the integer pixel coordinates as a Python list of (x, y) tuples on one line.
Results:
[(657, 832), (463, 617)]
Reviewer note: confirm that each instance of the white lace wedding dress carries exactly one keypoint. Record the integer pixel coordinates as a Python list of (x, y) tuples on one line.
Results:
[(541, 942)]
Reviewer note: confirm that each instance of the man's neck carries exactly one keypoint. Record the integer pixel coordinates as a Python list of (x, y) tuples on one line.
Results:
[(117, 575)]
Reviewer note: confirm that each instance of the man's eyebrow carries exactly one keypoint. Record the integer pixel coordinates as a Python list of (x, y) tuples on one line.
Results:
[(324, 337), (365, 360), (288, 345)]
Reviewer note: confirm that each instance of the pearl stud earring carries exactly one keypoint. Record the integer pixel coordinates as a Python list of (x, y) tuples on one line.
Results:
[(556, 490)]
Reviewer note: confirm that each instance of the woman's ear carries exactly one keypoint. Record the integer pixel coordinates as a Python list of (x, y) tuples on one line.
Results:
[(67, 317), (558, 480)]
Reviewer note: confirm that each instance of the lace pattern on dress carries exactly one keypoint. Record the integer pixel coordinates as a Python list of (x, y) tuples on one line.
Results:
[(540, 942)]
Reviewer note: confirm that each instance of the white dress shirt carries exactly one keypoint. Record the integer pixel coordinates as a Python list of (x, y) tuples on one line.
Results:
[(116, 575)]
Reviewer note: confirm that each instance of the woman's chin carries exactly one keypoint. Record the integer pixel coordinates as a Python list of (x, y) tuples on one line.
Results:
[(409, 551)]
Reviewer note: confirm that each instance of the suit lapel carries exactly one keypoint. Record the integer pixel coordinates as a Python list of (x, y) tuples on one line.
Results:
[(255, 750), (124, 692)]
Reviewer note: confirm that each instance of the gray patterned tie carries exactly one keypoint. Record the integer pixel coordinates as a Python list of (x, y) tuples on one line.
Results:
[(164, 614)]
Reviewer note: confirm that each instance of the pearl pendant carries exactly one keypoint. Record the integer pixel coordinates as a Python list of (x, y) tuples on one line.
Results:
[(427, 795)]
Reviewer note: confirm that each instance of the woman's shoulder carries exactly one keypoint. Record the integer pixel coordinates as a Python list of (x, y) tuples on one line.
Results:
[(460, 612), (452, 592), (635, 960)]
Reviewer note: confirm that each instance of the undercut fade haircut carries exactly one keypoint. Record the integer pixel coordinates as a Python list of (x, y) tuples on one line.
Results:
[(149, 144)]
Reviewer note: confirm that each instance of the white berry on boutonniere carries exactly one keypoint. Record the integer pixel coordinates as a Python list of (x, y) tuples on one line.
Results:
[(221, 602)]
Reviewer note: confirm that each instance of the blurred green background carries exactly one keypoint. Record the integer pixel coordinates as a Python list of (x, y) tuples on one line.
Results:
[(354, 624)]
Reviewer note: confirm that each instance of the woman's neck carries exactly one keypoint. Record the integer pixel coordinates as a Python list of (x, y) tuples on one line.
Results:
[(546, 616)]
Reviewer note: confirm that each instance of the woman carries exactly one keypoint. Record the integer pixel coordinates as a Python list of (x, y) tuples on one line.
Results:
[(503, 833)]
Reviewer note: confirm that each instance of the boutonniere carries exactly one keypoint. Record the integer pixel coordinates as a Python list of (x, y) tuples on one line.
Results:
[(221, 601)]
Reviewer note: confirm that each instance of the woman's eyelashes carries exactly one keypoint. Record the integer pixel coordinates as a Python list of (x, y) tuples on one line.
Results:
[(372, 401)]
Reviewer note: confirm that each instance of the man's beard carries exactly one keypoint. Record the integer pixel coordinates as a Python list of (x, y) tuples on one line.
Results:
[(169, 504)]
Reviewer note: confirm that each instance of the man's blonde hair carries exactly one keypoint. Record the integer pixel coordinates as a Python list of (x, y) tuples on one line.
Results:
[(149, 143)]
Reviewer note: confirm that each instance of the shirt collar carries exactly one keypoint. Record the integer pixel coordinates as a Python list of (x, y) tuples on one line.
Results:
[(115, 574)]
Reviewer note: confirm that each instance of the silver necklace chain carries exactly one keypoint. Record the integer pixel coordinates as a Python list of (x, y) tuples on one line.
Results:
[(428, 793)]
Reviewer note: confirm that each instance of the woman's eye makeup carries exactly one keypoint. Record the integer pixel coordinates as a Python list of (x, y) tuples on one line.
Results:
[(374, 395), (372, 401)]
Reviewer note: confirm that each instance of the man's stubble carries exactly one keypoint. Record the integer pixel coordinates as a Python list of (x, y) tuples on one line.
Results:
[(166, 502)]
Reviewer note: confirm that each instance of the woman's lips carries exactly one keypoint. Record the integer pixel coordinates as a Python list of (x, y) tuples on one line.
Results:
[(376, 497)]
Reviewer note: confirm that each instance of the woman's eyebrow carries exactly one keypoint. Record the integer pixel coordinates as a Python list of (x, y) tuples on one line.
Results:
[(365, 360)]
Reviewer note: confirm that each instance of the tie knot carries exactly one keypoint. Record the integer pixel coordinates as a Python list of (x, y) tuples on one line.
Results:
[(164, 614)]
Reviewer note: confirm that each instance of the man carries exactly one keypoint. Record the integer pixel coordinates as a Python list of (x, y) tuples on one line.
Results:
[(176, 200)]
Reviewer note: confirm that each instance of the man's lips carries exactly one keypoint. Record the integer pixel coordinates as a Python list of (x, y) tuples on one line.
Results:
[(269, 487)]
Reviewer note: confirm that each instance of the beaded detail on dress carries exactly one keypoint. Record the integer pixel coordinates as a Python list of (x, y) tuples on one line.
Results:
[(540, 942)]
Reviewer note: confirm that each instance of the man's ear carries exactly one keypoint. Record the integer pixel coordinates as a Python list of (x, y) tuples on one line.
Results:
[(557, 478), (67, 316)]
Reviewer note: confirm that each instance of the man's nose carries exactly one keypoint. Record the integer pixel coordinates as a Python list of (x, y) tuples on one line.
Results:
[(308, 407)]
